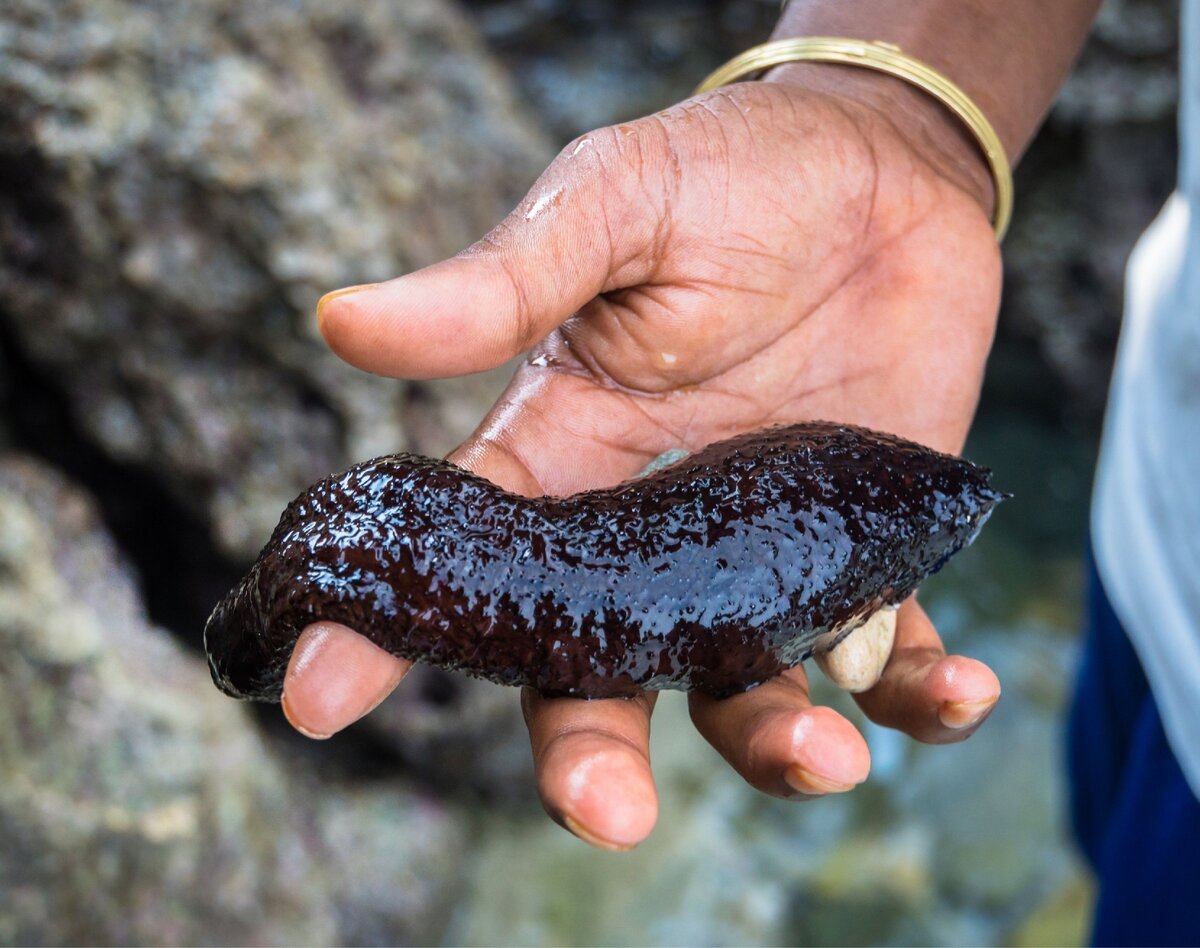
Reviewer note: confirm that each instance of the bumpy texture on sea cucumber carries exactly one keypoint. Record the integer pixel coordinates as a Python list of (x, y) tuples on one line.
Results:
[(715, 573)]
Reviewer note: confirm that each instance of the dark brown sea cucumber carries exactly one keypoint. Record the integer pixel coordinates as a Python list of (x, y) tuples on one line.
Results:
[(715, 573)]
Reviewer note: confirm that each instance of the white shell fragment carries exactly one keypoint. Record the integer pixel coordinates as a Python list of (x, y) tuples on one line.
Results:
[(857, 661)]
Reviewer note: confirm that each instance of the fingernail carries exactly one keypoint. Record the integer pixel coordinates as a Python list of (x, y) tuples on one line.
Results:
[(291, 719), (328, 298), (592, 839), (959, 715), (333, 679), (805, 781)]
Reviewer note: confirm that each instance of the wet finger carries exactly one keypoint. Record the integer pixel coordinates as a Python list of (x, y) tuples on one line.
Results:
[(779, 742), (334, 677), (934, 697), (592, 760)]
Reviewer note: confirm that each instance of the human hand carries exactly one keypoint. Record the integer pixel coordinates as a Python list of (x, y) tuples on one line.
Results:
[(767, 253)]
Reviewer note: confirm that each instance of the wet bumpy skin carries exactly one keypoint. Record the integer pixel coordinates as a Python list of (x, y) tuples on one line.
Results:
[(715, 573)]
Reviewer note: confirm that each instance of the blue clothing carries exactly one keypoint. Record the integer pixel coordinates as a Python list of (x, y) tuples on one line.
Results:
[(1132, 810)]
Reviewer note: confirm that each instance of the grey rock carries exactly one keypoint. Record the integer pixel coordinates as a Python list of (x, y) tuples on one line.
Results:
[(1128, 70), (393, 861), (178, 185), (1095, 177), (608, 61), (459, 735), (6, 397), (137, 806)]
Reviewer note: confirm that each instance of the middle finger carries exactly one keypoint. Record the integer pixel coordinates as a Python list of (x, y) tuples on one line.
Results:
[(779, 742), (592, 760)]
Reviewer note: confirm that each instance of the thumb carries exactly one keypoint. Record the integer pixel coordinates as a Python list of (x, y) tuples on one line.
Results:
[(497, 298)]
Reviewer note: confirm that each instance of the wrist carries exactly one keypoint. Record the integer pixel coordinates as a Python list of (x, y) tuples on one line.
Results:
[(935, 134)]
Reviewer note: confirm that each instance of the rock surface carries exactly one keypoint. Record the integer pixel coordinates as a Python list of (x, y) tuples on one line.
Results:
[(178, 185), (1094, 178), (137, 806), (460, 736)]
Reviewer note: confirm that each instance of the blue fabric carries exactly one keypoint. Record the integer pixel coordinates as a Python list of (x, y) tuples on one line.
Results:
[(1132, 810)]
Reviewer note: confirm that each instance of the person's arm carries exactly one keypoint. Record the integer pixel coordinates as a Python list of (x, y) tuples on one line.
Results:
[(816, 246), (1009, 56)]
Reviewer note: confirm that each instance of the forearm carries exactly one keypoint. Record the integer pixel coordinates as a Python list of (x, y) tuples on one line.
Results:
[(1009, 56)]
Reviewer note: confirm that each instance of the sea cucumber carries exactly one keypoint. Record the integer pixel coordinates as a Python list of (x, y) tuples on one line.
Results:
[(715, 573)]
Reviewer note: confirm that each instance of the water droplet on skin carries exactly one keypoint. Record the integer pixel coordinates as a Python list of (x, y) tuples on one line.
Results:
[(544, 201)]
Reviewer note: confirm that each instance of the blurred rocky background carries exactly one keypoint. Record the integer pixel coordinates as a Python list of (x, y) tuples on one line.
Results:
[(178, 185)]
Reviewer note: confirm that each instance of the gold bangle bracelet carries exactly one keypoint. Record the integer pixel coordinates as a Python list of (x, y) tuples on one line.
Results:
[(885, 58)]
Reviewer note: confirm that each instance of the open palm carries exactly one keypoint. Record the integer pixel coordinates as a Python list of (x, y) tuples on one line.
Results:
[(760, 255)]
